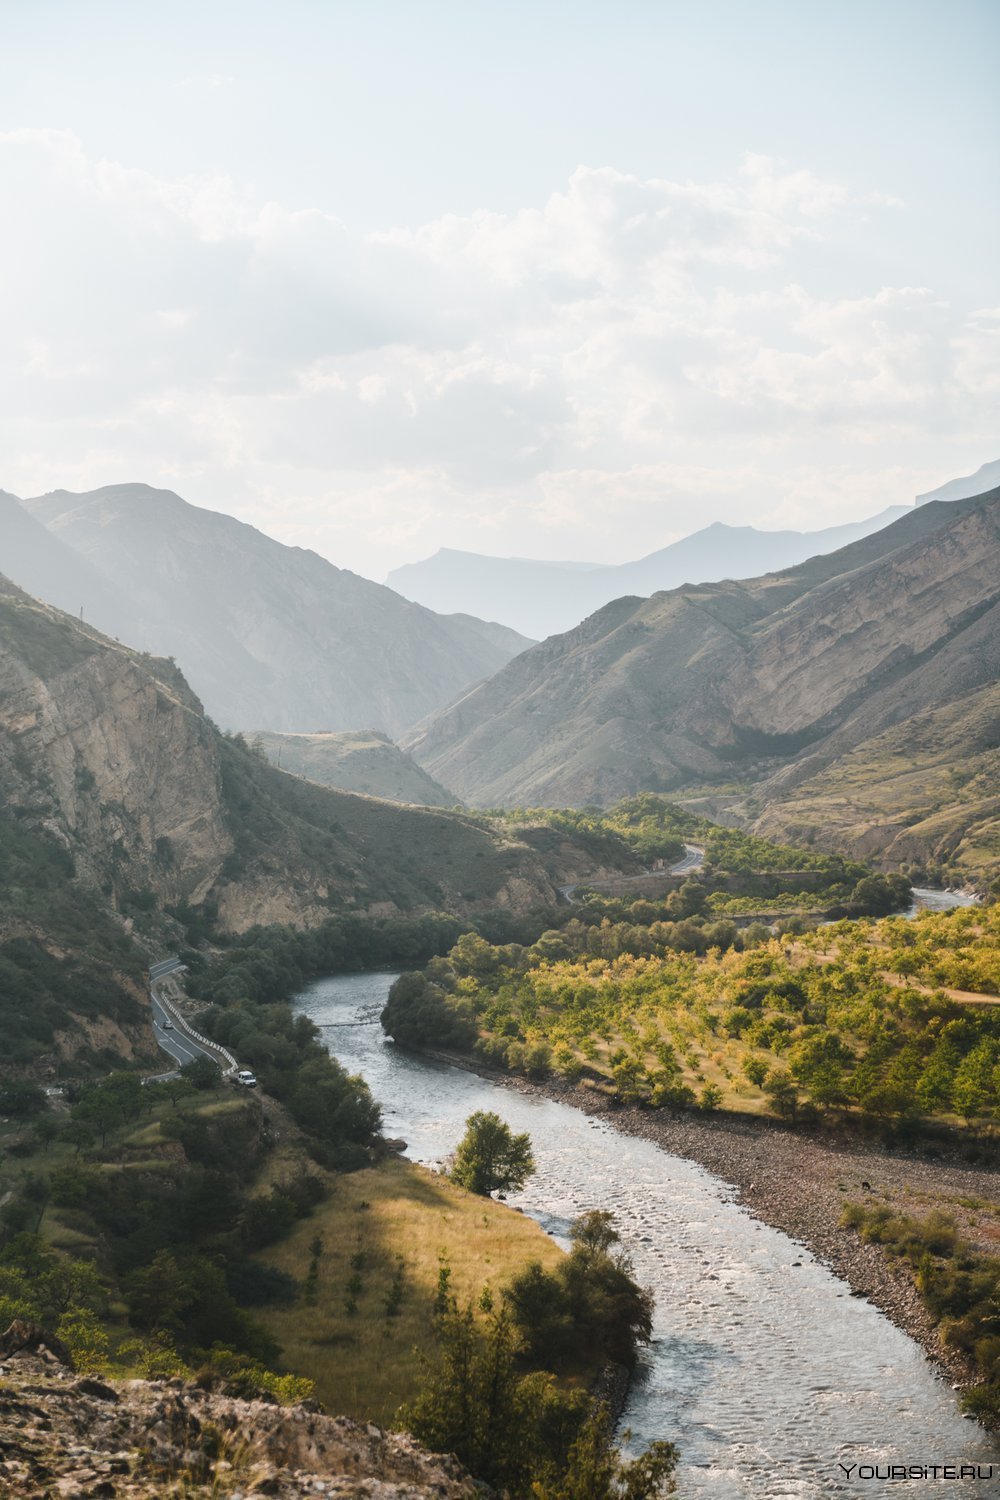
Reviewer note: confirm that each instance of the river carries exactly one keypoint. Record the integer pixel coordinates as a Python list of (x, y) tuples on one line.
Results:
[(926, 899), (763, 1367)]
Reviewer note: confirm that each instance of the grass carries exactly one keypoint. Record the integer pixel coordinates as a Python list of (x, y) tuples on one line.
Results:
[(387, 1232)]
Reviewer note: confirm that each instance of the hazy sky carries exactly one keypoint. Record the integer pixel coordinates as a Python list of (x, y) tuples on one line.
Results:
[(559, 280)]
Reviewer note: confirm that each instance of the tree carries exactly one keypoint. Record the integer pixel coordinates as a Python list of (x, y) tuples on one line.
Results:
[(490, 1157), (520, 1432), (19, 1098), (202, 1073), (784, 1096)]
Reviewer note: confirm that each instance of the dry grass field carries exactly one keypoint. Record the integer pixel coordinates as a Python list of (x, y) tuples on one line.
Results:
[(386, 1234)]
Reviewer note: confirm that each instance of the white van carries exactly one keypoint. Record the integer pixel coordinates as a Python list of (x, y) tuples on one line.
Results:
[(247, 1079)]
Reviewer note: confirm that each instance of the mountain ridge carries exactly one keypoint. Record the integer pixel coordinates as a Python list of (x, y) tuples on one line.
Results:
[(544, 598), (768, 677), (268, 634)]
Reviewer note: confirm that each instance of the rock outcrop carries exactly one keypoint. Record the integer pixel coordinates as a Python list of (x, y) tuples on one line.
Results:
[(108, 752), (70, 1435)]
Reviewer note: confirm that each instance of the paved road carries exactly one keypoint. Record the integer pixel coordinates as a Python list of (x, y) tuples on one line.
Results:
[(181, 1047), (178, 1041), (694, 858)]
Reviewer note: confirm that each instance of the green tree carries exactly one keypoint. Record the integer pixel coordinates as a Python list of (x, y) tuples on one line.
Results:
[(490, 1157), (779, 1087)]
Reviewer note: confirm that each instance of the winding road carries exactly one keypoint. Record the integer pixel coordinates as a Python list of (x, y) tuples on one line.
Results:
[(174, 1035), (694, 858)]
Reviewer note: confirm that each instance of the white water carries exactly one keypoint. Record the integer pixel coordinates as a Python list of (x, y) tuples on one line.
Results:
[(763, 1368)]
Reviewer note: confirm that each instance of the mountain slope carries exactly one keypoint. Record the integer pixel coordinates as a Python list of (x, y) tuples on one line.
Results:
[(792, 669), (359, 760), (267, 634), (924, 792), (107, 753), (542, 598)]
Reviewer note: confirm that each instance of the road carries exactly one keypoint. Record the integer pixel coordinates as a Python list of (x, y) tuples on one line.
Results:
[(179, 1039), (181, 1047), (694, 858)]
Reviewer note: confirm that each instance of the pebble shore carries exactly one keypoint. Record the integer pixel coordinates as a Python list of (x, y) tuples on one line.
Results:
[(799, 1183)]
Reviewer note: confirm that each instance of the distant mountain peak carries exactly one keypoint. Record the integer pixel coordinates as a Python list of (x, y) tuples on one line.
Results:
[(986, 477)]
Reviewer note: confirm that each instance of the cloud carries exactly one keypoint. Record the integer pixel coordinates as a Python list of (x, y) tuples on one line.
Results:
[(583, 370)]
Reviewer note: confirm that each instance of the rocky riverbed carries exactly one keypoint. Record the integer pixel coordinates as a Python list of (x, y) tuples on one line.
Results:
[(799, 1183)]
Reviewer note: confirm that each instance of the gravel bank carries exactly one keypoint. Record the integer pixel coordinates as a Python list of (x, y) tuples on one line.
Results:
[(799, 1184)]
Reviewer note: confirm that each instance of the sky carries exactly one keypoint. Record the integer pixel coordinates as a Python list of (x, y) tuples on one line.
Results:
[(549, 279)]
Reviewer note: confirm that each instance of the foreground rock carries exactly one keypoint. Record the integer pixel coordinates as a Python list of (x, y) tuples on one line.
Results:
[(62, 1434)]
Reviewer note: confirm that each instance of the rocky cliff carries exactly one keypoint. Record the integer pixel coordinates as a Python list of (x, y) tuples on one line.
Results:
[(108, 753)]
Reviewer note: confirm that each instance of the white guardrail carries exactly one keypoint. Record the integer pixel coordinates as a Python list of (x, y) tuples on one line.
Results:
[(185, 1026)]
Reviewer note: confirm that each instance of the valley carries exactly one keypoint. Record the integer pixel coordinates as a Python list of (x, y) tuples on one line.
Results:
[(747, 995)]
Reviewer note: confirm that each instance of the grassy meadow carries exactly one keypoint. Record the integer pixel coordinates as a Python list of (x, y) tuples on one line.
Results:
[(366, 1314)]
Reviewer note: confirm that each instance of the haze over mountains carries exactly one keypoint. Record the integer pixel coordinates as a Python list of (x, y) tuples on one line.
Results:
[(268, 634), (355, 760), (774, 677), (546, 598), (986, 477)]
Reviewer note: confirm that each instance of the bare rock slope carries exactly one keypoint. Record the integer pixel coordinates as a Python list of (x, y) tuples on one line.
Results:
[(775, 678), (108, 753)]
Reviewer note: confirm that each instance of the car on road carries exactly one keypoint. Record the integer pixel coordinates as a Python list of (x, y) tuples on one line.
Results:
[(167, 1025), (247, 1079)]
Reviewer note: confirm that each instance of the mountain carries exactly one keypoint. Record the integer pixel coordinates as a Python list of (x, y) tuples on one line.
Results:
[(771, 680), (267, 634), (986, 477), (358, 760), (546, 598), (108, 751), (924, 792), (125, 815)]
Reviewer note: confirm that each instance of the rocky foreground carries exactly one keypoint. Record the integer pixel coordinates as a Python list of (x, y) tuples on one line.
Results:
[(63, 1435)]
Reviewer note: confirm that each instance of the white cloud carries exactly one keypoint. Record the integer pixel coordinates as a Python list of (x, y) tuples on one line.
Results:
[(629, 360)]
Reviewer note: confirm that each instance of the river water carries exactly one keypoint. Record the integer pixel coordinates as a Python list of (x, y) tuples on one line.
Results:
[(763, 1368), (926, 899)]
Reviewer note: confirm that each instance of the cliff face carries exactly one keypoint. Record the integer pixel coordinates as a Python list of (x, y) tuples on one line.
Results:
[(111, 750), (141, 1440), (783, 673)]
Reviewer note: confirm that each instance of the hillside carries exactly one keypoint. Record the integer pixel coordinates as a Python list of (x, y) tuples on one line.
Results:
[(360, 760), (782, 674), (925, 792), (122, 803), (544, 598), (267, 634)]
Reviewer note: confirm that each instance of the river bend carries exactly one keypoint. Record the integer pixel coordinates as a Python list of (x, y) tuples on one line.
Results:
[(763, 1367)]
